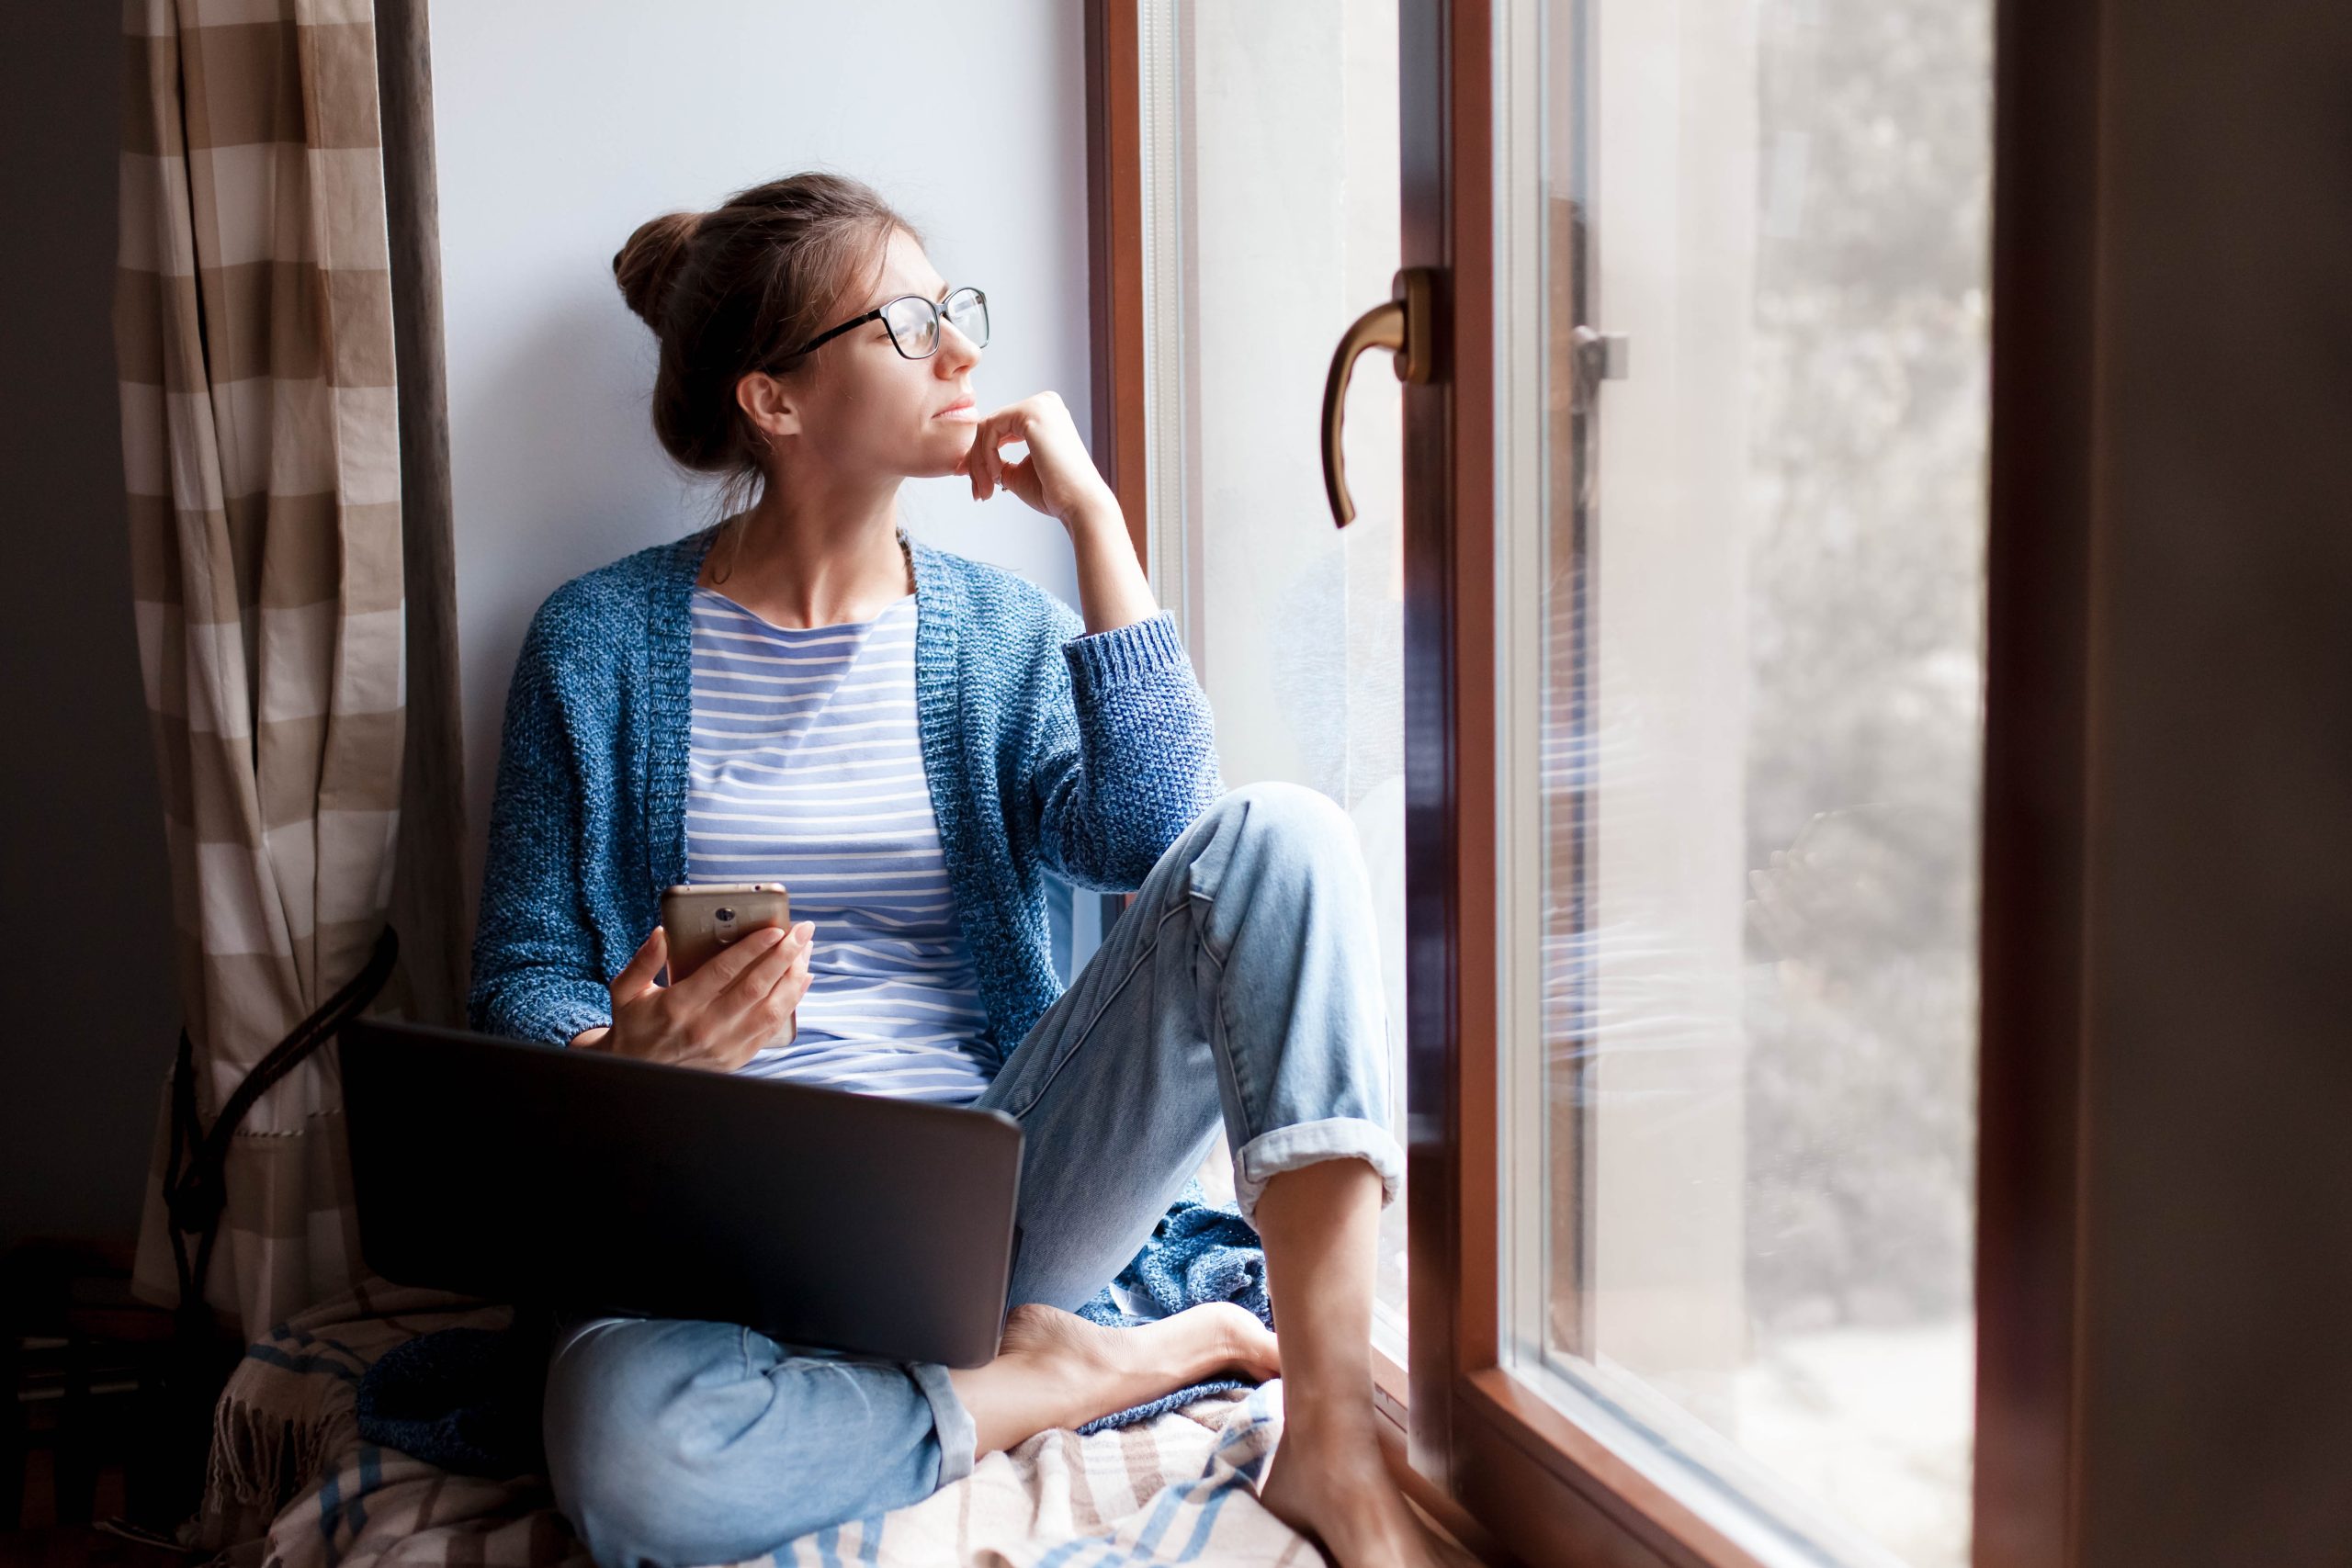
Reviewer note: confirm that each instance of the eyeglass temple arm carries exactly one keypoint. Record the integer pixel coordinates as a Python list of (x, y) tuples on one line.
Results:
[(829, 334)]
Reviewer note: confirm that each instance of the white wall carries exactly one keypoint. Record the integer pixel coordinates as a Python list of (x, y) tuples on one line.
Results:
[(561, 127)]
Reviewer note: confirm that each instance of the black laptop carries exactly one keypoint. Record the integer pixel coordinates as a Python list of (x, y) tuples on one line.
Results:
[(590, 1183)]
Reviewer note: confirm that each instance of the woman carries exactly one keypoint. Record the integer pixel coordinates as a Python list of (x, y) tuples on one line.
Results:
[(912, 741)]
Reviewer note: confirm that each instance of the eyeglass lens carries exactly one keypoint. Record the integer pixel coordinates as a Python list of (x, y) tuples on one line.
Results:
[(915, 320)]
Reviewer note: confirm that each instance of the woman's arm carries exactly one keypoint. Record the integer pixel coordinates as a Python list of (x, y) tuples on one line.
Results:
[(1123, 754), (1125, 758), (536, 973), (1112, 588), (1058, 479)]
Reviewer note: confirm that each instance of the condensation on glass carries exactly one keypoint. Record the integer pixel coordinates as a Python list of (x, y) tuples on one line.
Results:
[(1741, 334), (1269, 138)]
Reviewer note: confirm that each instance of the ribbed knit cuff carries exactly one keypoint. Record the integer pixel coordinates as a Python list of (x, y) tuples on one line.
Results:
[(560, 1016), (1146, 647)]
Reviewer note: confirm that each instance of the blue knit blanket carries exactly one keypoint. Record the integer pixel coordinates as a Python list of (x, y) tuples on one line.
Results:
[(468, 1399)]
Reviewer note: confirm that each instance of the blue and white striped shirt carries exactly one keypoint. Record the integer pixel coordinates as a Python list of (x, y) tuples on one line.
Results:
[(805, 767)]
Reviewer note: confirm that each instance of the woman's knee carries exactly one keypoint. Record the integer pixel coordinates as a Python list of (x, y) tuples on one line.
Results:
[(619, 1431), (676, 1442), (1306, 823)]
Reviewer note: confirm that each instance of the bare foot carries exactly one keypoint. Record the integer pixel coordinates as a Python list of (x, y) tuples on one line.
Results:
[(1328, 1483), (1054, 1368), (1110, 1369)]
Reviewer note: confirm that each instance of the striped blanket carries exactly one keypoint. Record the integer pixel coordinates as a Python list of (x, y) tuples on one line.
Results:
[(294, 1486)]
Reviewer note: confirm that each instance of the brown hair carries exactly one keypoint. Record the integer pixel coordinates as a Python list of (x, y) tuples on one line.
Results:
[(728, 291)]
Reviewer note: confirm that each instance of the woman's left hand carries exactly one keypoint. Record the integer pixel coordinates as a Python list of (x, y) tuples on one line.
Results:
[(1057, 478)]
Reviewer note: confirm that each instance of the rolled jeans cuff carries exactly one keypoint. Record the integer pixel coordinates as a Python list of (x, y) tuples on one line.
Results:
[(959, 1437), (1270, 1153)]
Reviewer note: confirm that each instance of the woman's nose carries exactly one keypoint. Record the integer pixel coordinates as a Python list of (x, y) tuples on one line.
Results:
[(957, 353)]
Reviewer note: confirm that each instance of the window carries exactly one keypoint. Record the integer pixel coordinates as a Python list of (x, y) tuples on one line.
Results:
[(1777, 208), (1684, 570), (1741, 415)]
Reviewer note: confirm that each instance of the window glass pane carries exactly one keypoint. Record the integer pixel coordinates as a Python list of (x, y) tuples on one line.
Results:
[(1742, 335), (1271, 195)]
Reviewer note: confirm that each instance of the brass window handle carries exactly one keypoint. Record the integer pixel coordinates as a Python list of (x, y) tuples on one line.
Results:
[(1404, 326)]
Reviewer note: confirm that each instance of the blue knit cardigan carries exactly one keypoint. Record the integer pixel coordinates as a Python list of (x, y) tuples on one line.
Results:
[(1047, 749)]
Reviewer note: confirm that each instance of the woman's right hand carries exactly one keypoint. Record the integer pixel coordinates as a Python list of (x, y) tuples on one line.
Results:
[(716, 1018)]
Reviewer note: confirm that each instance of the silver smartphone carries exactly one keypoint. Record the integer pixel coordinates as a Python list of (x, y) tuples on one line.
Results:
[(704, 918)]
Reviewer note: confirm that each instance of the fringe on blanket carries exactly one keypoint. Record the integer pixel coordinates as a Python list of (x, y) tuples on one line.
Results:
[(285, 1415), (259, 1460), (257, 1463)]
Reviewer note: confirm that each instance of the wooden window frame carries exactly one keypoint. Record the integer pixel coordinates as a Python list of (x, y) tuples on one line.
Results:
[(1114, 254), (1511, 1475)]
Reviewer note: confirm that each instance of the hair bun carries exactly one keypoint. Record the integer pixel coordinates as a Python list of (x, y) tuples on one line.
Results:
[(648, 265)]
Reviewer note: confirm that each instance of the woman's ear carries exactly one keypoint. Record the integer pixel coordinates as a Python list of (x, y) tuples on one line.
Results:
[(773, 409)]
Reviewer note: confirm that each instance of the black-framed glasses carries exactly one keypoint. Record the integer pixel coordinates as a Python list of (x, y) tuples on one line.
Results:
[(913, 322)]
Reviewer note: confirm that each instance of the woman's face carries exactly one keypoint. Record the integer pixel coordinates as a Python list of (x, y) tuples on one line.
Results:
[(862, 407)]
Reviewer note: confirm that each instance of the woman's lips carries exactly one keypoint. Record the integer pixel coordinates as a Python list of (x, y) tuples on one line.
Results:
[(963, 412)]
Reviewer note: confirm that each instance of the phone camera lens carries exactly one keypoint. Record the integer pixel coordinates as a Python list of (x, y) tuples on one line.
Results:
[(723, 915)]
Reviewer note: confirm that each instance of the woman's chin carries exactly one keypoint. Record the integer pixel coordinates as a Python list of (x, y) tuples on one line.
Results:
[(944, 448)]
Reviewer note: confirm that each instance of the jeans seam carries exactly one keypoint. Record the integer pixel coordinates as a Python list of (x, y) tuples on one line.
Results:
[(1208, 945), (1221, 1043), (1150, 946)]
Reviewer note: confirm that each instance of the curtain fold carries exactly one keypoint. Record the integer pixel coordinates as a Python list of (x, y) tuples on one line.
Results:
[(261, 452)]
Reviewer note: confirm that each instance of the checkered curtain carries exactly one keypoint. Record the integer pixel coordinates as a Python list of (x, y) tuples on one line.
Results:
[(254, 332)]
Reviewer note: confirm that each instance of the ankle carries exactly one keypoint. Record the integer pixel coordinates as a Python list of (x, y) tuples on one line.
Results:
[(1087, 1382), (1331, 1426)]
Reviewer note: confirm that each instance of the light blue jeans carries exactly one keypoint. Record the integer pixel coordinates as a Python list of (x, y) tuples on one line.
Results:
[(1246, 962)]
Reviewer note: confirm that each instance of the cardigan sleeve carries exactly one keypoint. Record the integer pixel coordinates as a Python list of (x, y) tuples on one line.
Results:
[(535, 970), (1126, 759)]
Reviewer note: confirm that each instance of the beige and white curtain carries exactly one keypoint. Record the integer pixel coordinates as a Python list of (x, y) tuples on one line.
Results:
[(254, 332)]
